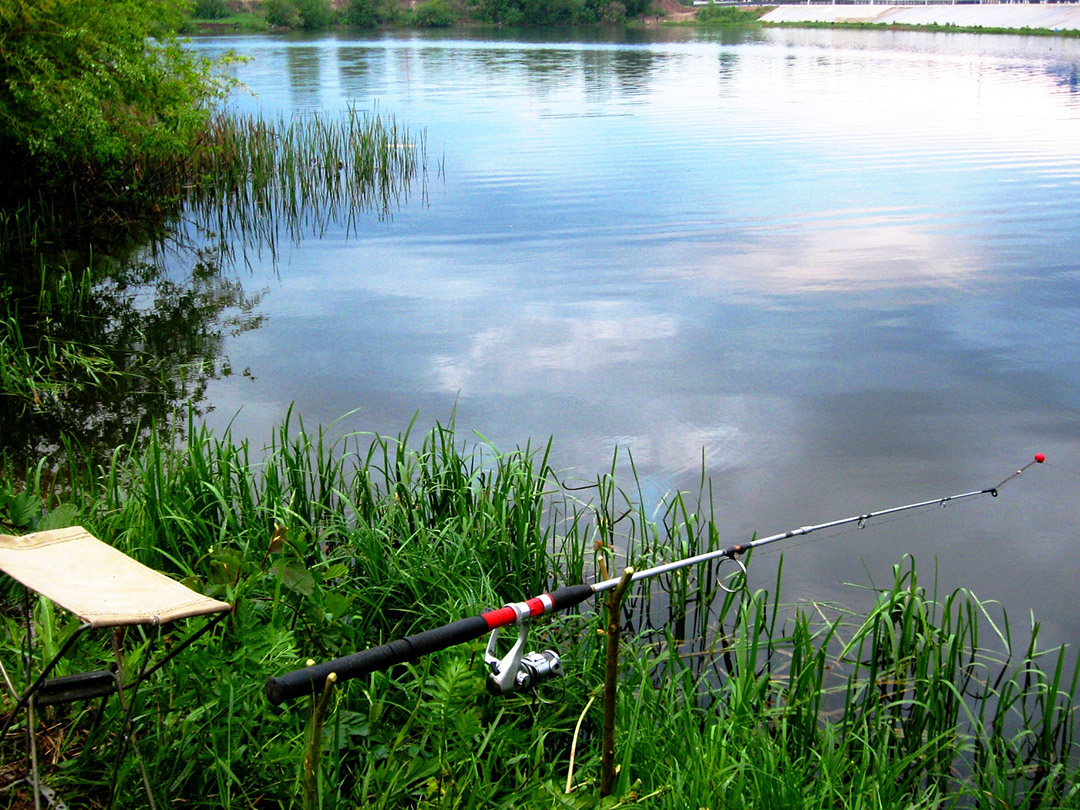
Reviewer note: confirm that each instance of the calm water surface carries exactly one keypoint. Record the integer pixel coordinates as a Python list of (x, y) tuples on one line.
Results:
[(837, 270)]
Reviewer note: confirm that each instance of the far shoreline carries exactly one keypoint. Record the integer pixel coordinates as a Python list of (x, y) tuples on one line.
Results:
[(1028, 19), (1062, 19)]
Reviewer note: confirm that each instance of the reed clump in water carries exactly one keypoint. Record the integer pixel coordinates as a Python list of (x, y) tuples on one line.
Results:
[(96, 354), (325, 547), (247, 177), (251, 176)]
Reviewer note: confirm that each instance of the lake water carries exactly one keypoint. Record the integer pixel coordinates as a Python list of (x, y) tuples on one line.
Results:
[(839, 271)]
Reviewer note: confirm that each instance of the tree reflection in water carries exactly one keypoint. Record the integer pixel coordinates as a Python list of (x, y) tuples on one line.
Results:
[(115, 350), (105, 342)]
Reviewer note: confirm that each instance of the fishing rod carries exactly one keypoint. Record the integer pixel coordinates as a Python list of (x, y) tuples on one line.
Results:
[(518, 670)]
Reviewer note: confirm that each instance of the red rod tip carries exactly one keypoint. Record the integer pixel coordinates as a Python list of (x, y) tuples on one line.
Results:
[(1039, 457)]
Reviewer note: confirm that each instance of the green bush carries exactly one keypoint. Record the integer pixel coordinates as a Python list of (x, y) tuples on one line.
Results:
[(361, 13), (370, 13), (507, 12), (97, 96), (210, 9), (538, 12), (433, 14), (309, 14), (282, 13), (613, 13), (554, 12), (315, 14)]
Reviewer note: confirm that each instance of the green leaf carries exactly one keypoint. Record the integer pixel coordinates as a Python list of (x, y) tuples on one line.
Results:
[(66, 514), (225, 565), (337, 604), (295, 576), (334, 571), (23, 510)]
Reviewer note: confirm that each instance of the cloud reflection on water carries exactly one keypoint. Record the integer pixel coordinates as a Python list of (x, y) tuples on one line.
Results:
[(841, 265)]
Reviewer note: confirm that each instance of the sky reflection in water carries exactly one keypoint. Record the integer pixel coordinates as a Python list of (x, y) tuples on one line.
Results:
[(840, 267)]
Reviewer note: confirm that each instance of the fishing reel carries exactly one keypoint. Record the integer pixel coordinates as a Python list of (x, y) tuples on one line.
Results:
[(517, 671)]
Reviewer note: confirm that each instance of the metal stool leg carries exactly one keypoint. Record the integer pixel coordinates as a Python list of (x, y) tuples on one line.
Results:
[(35, 783), (127, 730)]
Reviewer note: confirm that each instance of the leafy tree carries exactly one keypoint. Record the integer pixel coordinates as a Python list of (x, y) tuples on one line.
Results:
[(538, 12), (507, 12), (97, 96), (309, 14), (433, 14), (210, 9), (369, 13), (613, 13), (281, 13), (553, 12), (361, 13), (315, 14)]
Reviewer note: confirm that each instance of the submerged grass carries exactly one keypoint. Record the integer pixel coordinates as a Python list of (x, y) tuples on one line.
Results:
[(727, 700)]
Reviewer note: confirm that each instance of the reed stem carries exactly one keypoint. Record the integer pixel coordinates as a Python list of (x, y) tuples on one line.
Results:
[(611, 680)]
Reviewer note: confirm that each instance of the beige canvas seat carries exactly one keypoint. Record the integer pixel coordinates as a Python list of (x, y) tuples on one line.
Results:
[(104, 588)]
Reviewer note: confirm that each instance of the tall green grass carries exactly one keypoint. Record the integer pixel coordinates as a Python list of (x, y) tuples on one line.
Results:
[(713, 14), (328, 545)]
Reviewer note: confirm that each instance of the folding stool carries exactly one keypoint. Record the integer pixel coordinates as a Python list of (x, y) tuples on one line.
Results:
[(104, 588)]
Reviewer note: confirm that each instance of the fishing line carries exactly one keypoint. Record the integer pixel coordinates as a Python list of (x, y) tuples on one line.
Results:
[(1068, 470)]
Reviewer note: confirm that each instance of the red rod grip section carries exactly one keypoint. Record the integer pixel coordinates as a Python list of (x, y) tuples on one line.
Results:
[(500, 617)]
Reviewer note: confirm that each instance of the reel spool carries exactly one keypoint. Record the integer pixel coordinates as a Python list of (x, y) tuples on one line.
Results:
[(518, 671)]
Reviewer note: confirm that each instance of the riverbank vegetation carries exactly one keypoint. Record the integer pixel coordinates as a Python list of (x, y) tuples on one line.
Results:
[(108, 122), (90, 325), (215, 15), (119, 161), (210, 16), (713, 14), (99, 101), (326, 547)]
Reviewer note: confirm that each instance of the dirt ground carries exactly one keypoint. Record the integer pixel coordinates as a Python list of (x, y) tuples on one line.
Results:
[(675, 11)]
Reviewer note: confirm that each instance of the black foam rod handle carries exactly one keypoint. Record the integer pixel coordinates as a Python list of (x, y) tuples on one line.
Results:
[(569, 595), (310, 680)]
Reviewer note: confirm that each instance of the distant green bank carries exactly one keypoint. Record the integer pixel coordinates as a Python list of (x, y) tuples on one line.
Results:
[(313, 15), (212, 16)]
